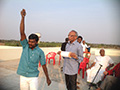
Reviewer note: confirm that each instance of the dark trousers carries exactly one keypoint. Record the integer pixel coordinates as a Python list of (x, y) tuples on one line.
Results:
[(71, 82)]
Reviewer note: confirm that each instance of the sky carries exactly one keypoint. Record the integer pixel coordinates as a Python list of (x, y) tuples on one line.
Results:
[(97, 21)]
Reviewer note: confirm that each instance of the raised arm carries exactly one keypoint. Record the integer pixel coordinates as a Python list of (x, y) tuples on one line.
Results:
[(22, 25)]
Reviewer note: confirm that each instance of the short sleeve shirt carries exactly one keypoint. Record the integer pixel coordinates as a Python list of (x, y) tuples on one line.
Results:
[(28, 65)]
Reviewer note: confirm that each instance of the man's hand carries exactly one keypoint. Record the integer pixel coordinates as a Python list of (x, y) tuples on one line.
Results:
[(48, 81), (23, 13), (46, 74), (22, 25), (59, 52), (105, 72), (73, 55)]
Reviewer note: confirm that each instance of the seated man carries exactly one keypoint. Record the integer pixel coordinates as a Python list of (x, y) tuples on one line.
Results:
[(111, 82), (103, 60)]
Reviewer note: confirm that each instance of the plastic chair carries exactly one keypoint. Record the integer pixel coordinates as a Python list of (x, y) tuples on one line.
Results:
[(50, 55), (84, 63), (86, 60), (83, 67)]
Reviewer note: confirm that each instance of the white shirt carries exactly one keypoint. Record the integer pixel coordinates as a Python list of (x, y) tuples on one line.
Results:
[(84, 46), (104, 61)]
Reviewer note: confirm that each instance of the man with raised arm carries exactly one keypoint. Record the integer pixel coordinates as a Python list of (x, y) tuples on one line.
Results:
[(31, 55)]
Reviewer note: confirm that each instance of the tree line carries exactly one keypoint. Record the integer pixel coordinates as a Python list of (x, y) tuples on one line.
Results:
[(56, 44), (41, 44)]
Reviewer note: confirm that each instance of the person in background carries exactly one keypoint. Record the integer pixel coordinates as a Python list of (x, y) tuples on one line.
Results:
[(86, 53), (31, 55), (103, 60), (70, 67), (64, 44), (63, 49), (112, 80), (84, 45), (86, 56), (79, 39)]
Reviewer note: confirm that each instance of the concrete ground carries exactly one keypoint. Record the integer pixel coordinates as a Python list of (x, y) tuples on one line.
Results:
[(9, 61), (9, 80)]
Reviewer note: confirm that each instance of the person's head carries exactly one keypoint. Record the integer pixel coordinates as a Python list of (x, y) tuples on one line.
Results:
[(102, 52), (33, 40), (79, 39), (83, 42), (66, 39), (86, 49), (72, 36)]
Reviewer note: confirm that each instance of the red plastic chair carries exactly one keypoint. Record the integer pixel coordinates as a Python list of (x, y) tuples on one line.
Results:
[(83, 67), (84, 63), (50, 55), (86, 60), (108, 73)]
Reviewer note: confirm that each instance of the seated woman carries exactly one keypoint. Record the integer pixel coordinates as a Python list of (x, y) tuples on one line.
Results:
[(86, 55)]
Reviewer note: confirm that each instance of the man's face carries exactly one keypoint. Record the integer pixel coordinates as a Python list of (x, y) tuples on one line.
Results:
[(32, 43), (79, 40), (102, 52), (83, 41), (72, 36)]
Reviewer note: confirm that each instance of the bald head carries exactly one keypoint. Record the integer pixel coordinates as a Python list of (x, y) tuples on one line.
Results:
[(102, 52)]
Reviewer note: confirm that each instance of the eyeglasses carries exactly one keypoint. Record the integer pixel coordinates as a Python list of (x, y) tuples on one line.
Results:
[(71, 35)]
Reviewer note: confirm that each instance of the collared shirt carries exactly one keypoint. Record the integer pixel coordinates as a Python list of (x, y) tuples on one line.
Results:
[(28, 65), (70, 66)]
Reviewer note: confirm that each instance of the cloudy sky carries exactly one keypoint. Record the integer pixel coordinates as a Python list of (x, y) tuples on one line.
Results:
[(98, 21)]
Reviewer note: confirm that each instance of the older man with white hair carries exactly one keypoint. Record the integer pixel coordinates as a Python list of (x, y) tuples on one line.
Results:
[(73, 55), (105, 61)]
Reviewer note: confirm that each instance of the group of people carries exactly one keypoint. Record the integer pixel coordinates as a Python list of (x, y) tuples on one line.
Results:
[(95, 73), (72, 52)]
